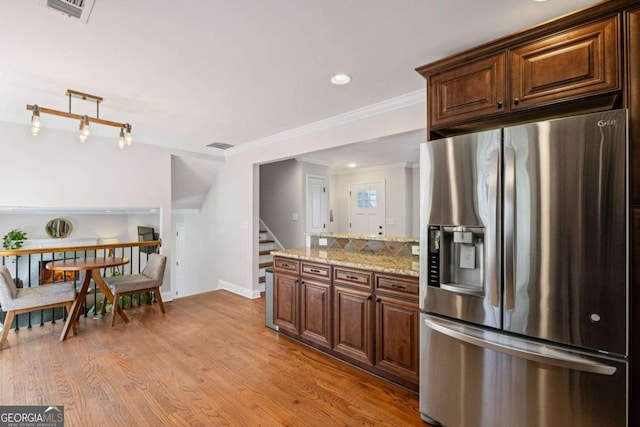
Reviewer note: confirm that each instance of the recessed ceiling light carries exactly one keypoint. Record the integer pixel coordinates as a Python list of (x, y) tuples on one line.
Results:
[(341, 79), (351, 165)]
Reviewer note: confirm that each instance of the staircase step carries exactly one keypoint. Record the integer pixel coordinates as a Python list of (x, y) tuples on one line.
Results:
[(261, 279), (265, 252), (265, 264), (266, 241)]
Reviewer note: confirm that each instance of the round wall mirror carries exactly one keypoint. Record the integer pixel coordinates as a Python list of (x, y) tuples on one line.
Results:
[(59, 227)]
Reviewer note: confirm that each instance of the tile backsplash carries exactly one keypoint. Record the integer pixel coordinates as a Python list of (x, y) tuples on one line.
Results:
[(373, 246)]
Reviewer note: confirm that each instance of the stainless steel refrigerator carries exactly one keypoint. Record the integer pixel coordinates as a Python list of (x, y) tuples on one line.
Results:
[(524, 278)]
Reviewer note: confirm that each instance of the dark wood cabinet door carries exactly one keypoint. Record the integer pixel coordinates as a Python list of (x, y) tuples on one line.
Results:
[(285, 302), (577, 63), (467, 92), (633, 39), (353, 323), (315, 311), (397, 338), (634, 314)]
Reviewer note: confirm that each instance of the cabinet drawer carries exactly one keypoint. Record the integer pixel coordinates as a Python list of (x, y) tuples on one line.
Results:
[(358, 278), (398, 285), (286, 264), (320, 271)]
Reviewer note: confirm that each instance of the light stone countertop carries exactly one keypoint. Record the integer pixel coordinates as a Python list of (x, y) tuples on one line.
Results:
[(408, 266), (365, 237)]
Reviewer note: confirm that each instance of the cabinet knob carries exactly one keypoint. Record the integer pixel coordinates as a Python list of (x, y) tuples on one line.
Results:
[(499, 105), (516, 101)]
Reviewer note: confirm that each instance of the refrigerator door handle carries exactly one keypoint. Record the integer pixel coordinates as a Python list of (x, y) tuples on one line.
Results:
[(509, 227), (559, 359), (492, 246)]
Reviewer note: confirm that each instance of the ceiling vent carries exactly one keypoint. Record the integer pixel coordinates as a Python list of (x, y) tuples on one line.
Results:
[(220, 145), (79, 9)]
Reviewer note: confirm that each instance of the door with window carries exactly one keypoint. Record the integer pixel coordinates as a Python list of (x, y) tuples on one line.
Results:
[(367, 208)]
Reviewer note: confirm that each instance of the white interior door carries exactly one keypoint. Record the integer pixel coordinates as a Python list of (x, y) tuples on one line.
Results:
[(316, 204), (367, 208)]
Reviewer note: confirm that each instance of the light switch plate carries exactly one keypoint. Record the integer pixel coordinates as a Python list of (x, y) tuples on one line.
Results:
[(415, 250), (322, 241)]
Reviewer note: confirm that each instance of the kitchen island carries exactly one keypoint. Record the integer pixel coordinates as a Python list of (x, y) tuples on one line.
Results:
[(355, 298), (408, 266)]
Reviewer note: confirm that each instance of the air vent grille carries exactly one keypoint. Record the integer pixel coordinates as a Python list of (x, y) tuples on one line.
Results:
[(220, 145), (80, 9)]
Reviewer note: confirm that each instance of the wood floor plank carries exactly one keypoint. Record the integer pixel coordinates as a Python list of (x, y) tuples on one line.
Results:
[(209, 361)]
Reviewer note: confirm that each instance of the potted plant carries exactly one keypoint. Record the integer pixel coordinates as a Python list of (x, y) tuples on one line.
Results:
[(14, 239)]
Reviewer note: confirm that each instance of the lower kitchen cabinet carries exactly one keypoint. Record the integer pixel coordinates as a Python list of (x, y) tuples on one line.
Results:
[(285, 302), (352, 312), (397, 338), (368, 319), (315, 311)]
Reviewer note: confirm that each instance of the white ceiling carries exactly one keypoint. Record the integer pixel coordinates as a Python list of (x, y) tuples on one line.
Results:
[(186, 74), (387, 150)]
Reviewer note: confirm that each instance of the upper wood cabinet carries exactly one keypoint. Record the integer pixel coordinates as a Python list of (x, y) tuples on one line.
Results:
[(470, 91), (633, 94), (489, 86), (580, 62)]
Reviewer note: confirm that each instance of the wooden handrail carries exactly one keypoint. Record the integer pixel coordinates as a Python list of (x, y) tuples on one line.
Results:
[(80, 248)]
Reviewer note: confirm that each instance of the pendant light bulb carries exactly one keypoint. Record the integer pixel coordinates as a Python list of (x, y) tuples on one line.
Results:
[(36, 126), (127, 136), (121, 140), (85, 131)]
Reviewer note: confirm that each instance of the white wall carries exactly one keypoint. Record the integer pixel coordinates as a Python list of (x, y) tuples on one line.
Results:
[(236, 189), (398, 179), (84, 225), (281, 196), (283, 193), (56, 170)]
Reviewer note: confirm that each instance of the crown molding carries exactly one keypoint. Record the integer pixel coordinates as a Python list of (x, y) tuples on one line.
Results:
[(400, 165), (398, 102), (313, 161)]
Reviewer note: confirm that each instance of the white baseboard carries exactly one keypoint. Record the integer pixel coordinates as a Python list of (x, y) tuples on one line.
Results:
[(239, 290), (167, 296)]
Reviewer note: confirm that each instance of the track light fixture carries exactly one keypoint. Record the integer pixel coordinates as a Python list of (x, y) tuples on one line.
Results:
[(85, 132)]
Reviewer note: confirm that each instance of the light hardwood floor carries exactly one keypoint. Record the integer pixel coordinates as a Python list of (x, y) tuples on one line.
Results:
[(209, 361)]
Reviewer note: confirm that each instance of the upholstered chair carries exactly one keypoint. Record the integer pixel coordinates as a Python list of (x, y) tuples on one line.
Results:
[(149, 280), (22, 300)]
